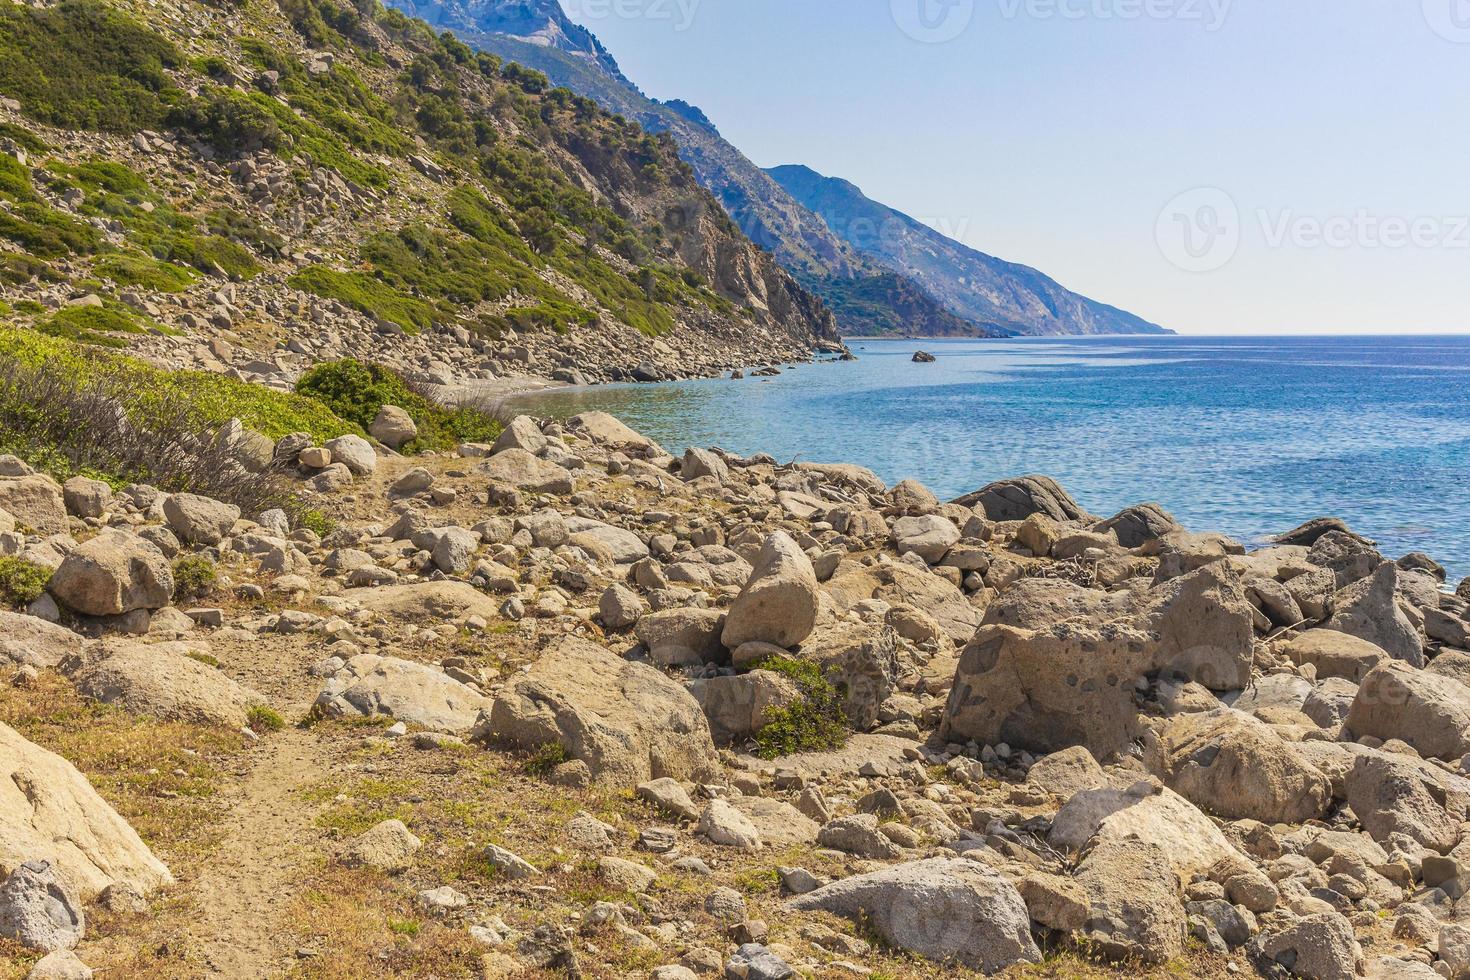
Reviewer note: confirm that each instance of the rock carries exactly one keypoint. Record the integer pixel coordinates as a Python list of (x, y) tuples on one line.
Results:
[(1370, 611), (700, 463), (315, 458), (1066, 773), (1335, 654), (1018, 499), (779, 603), (1348, 557), (37, 910), (1394, 795), (779, 824), (670, 797), (370, 685), (620, 607), (929, 536), (112, 574), (1135, 911), (622, 545), (738, 707), (923, 357), (1454, 950), (951, 910), (389, 846), (32, 641), (522, 433), (1054, 902), (1135, 526), (1038, 534), (515, 867), (728, 827), (1312, 531), (355, 453), (199, 520), (62, 964), (393, 427), (51, 813), (1315, 947), (85, 498), (755, 962), (627, 721), (859, 835), (1428, 711), (453, 549), (161, 681), (416, 480), (1230, 764), (519, 469), (36, 503), (605, 430), (682, 637), (861, 662), (433, 602)]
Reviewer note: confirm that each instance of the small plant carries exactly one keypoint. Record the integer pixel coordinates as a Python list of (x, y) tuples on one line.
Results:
[(262, 720), (21, 582), (355, 391), (194, 577), (547, 758), (815, 722), (403, 927)]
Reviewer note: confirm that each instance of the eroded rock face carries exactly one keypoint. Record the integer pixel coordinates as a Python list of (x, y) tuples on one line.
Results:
[(952, 910), (162, 681), (36, 504), (627, 721), (112, 574), (779, 603), (1135, 908), (1370, 611), (49, 812), (1018, 499)]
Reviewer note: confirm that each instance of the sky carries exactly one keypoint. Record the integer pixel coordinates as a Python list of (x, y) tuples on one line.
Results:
[(1215, 166)]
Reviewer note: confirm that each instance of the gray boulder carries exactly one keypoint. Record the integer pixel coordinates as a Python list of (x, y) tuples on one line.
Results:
[(1370, 611), (355, 453), (38, 911), (36, 503), (522, 433), (370, 685), (779, 603), (1018, 499), (393, 427), (951, 910), (199, 520)]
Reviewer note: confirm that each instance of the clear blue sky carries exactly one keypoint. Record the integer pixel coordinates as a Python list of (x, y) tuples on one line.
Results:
[(1058, 132)]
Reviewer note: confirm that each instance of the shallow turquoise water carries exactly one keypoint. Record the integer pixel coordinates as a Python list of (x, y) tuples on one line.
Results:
[(1249, 436)]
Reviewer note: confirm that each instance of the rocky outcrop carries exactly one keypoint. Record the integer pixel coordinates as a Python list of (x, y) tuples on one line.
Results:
[(1016, 500)]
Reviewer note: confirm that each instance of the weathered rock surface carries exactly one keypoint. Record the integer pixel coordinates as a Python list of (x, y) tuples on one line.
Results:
[(112, 574), (371, 685), (779, 603)]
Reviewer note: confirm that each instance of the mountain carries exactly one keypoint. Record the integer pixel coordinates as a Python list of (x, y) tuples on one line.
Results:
[(869, 292), (309, 180), (867, 298), (981, 288)]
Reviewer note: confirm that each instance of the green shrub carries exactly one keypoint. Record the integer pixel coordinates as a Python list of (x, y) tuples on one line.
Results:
[(21, 582), (262, 720), (816, 722), (232, 123), (18, 268), (98, 325), (148, 273), (355, 391), (195, 577), (85, 65), (545, 759), (366, 295)]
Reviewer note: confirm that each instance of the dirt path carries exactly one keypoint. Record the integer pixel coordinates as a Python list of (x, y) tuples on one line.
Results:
[(242, 896)]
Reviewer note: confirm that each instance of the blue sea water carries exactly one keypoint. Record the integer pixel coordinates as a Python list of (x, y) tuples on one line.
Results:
[(1250, 436)]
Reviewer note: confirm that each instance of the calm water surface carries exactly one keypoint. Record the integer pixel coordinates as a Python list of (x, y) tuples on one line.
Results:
[(1249, 436)]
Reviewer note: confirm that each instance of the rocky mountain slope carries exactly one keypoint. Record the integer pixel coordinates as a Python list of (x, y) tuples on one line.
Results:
[(1008, 297), (925, 285), (259, 187)]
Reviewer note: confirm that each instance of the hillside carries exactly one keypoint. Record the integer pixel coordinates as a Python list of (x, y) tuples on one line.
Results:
[(866, 298), (257, 187), (1002, 295)]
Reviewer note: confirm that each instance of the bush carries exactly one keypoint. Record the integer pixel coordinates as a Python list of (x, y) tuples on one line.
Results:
[(814, 723), (366, 295), (261, 720), (148, 273), (97, 325), (233, 124), (355, 391), (21, 582), (545, 759), (195, 577)]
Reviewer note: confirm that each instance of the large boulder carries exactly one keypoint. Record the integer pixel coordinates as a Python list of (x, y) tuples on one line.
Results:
[(355, 453), (1135, 910), (1370, 611), (682, 637), (779, 603), (1018, 499), (1228, 763), (519, 469), (1137, 525), (430, 601), (114, 573), (393, 427), (1398, 795), (161, 681), (369, 685), (622, 545), (1335, 654), (901, 584), (36, 503), (739, 706), (930, 536), (702, 462), (1316, 947), (49, 812), (523, 433), (606, 430), (1426, 710), (951, 910), (861, 662), (199, 520), (33, 641), (627, 721)]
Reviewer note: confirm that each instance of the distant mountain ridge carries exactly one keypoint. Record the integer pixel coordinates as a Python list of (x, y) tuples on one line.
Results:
[(982, 289), (870, 292)]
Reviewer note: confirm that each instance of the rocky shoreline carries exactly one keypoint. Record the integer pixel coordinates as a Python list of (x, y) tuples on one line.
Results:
[(743, 719)]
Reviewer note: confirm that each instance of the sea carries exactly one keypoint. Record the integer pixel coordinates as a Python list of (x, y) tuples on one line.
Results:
[(1245, 435)]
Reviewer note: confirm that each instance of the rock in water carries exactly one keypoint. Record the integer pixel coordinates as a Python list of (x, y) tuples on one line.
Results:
[(923, 357), (945, 909), (779, 603)]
